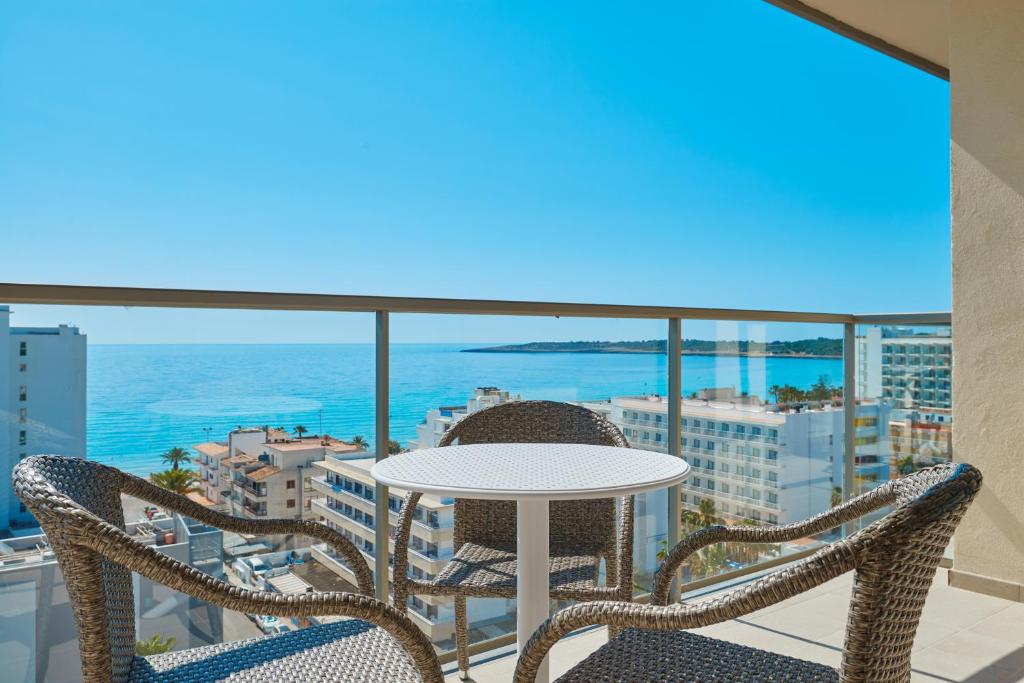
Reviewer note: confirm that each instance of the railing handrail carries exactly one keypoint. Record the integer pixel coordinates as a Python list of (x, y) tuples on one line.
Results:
[(84, 295)]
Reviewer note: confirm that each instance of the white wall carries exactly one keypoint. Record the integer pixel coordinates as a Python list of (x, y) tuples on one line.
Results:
[(987, 174), (55, 405)]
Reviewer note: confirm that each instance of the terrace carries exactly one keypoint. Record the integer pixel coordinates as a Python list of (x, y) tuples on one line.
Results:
[(829, 449)]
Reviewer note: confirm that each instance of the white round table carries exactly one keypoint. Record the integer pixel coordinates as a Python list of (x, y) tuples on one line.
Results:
[(531, 474)]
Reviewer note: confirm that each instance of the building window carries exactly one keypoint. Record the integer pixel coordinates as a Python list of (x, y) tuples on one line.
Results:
[(23, 349), (22, 393), (291, 503), (22, 438), (23, 367), (773, 455), (22, 414), (290, 484)]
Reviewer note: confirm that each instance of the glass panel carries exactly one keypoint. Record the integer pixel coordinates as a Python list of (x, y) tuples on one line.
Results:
[(763, 431), (257, 404), (904, 388), (434, 386)]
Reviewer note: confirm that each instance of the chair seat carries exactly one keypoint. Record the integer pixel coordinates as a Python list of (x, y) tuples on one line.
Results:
[(683, 657), (350, 650), (484, 571)]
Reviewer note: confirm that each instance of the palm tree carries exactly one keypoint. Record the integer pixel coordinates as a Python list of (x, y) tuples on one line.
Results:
[(394, 447), (837, 496), (707, 512), (182, 482), (774, 390), (300, 430), (176, 456), (154, 646), (358, 440)]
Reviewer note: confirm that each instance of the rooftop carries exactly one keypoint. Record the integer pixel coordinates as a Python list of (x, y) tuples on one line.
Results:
[(328, 442), (211, 448), (263, 472)]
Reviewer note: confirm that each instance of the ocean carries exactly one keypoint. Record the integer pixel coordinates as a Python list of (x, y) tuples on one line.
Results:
[(145, 399)]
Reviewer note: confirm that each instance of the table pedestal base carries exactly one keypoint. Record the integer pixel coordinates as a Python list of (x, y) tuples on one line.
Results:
[(532, 600)]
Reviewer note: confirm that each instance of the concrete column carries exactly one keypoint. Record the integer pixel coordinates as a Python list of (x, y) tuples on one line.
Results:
[(987, 202)]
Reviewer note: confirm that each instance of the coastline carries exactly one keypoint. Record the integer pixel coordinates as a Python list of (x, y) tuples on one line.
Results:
[(710, 354)]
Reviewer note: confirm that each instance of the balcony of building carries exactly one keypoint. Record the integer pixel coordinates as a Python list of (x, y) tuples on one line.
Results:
[(963, 636)]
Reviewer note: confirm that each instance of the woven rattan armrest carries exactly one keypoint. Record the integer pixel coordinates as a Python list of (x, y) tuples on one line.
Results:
[(825, 565), (144, 490), (111, 542), (835, 517)]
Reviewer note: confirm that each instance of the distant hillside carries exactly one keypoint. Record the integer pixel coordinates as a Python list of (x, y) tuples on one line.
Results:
[(803, 348)]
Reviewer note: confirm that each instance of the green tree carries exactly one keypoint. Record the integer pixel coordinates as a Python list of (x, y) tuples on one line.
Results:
[(358, 440), (394, 447), (154, 646), (837, 496), (176, 456), (821, 390), (706, 509), (300, 430), (906, 465), (181, 482)]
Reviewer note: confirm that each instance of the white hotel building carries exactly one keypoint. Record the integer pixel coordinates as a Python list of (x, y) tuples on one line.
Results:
[(42, 403), (752, 461)]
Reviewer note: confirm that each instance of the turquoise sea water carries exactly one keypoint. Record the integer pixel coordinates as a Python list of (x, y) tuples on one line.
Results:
[(144, 399)]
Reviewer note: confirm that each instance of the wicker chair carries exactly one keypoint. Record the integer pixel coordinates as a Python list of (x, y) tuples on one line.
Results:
[(894, 558), (78, 505), (581, 532)]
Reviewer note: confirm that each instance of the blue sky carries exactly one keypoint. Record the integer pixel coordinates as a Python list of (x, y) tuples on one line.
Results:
[(703, 154)]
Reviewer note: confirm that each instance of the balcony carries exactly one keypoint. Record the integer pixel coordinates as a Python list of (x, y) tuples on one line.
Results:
[(734, 565), (249, 488), (963, 636)]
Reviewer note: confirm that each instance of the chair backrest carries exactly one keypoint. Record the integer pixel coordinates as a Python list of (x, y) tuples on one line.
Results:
[(587, 523), (897, 557), (62, 493)]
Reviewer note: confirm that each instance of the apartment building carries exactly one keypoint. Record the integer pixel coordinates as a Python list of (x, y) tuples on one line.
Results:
[(262, 472), (209, 459), (42, 403), (348, 506), (912, 369), (752, 460), (440, 420)]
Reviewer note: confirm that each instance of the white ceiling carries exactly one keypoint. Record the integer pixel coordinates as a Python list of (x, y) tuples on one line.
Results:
[(917, 26)]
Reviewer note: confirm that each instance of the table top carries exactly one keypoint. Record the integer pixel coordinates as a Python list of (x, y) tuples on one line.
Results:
[(508, 471)]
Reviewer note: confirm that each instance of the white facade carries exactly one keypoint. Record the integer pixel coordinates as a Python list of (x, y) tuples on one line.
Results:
[(912, 370), (42, 402), (751, 461), (260, 472), (440, 420)]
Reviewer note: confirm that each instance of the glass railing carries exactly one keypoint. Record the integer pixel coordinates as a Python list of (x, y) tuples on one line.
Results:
[(312, 410), (907, 401)]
